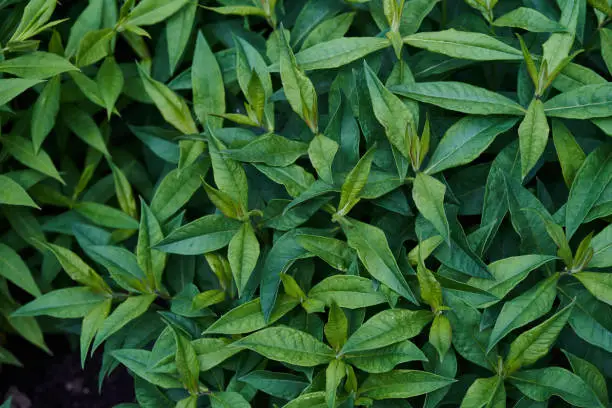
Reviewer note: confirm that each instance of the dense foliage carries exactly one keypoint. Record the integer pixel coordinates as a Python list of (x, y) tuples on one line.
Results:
[(313, 203)]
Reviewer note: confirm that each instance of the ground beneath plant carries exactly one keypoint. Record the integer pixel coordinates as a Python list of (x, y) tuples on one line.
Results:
[(58, 381)]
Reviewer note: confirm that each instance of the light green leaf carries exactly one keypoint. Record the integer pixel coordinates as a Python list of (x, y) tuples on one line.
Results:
[(287, 345), (137, 362), (295, 178), (45, 112), (588, 186), (149, 12), (37, 65), (228, 400), (249, 317), (590, 375), (465, 140), (460, 97), (23, 151), (330, 29), (11, 193), (15, 270), (205, 234), (525, 308), (229, 175), (386, 328), (83, 125), (528, 19), (570, 154), (63, 303), (585, 102), (130, 309), (533, 136), (207, 83), (399, 120), (173, 108), (402, 384), (533, 344), (384, 359), (440, 335), (598, 283), (270, 149), (321, 152), (542, 384), (485, 393), (465, 45), (110, 83), (333, 251), (428, 195), (94, 46), (91, 324), (151, 261), (243, 253), (602, 249), (355, 182), (106, 216), (373, 250), (350, 292)]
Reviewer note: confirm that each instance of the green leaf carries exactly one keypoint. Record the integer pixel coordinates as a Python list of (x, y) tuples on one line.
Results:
[(330, 29), (243, 253), (281, 385), (77, 269), (92, 322), (336, 253), (321, 152), (173, 108), (11, 193), (542, 384), (428, 195), (588, 186), (336, 328), (386, 328), (350, 292), (440, 335), (239, 10), (106, 216), (598, 283), (334, 374), (288, 345), (354, 183), (298, 89), (525, 308), (528, 19), (460, 97), (176, 189), (465, 140), (137, 362), (37, 65), (206, 234), (570, 154), (15, 270), (228, 400), (83, 125), (23, 151), (533, 136), (401, 384), (149, 12), (384, 359), (151, 261), (249, 317), (398, 119), (110, 82), (187, 363), (533, 344), (13, 87), (130, 309), (44, 112), (465, 45), (373, 251), (585, 102), (590, 375), (63, 303), (337, 52), (295, 179), (485, 393), (602, 249), (229, 175), (508, 273), (207, 83), (270, 149), (94, 46)]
